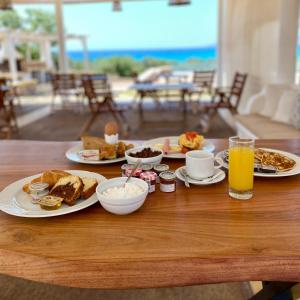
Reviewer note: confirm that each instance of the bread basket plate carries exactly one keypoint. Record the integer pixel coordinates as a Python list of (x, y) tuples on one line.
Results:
[(14, 201), (292, 172), (207, 146), (73, 155)]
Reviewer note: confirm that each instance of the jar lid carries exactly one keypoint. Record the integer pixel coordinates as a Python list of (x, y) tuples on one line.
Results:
[(146, 167), (161, 167), (137, 172), (148, 175), (168, 175), (38, 186)]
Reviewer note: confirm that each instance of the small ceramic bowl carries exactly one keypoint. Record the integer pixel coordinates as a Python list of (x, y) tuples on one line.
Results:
[(155, 160), (121, 206)]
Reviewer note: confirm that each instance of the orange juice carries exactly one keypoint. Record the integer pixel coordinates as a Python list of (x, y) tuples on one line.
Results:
[(241, 168)]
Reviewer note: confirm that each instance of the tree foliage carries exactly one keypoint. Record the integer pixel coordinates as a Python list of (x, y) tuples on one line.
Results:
[(11, 19)]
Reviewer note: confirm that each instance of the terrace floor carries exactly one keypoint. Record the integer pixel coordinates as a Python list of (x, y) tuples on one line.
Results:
[(36, 122)]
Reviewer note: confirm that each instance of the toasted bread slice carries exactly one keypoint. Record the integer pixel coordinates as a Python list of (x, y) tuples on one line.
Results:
[(92, 142), (69, 188), (89, 187)]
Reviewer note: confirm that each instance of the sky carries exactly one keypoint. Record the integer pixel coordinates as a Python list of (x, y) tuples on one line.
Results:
[(141, 24)]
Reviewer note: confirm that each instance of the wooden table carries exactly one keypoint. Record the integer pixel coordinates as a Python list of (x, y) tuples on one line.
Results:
[(153, 89), (193, 236)]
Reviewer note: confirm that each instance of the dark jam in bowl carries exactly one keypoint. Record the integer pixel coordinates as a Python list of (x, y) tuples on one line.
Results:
[(145, 153)]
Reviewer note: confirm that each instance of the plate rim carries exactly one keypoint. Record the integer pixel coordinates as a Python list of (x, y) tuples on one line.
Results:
[(146, 143), (78, 147), (10, 190), (198, 183), (287, 174)]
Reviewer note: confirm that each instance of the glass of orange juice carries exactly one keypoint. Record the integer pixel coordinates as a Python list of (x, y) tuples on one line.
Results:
[(241, 168)]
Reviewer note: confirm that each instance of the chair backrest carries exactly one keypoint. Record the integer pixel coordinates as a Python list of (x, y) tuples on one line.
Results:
[(63, 82), (3, 91), (95, 85), (204, 79), (237, 88)]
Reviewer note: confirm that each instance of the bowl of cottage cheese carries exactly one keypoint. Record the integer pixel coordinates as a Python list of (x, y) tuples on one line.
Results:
[(122, 198)]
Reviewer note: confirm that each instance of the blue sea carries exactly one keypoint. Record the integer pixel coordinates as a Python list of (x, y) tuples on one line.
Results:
[(174, 54)]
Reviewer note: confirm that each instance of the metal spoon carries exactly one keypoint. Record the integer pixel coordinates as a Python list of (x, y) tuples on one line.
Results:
[(137, 164), (185, 176)]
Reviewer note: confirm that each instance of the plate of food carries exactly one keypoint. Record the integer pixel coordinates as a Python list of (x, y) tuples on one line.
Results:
[(177, 146), (95, 150), (270, 162), (51, 193)]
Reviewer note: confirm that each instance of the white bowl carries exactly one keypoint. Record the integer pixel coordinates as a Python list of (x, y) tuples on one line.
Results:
[(155, 160), (122, 206)]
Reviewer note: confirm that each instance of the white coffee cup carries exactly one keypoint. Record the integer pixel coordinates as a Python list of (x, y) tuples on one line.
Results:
[(201, 164)]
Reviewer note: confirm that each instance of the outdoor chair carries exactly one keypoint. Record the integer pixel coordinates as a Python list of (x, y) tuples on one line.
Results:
[(228, 98), (65, 86), (8, 120), (100, 100), (203, 81)]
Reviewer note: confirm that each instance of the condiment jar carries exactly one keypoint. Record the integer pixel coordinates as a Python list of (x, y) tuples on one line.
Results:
[(150, 178), (38, 190), (160, 168), (136, 173), (167, 182), (124, 167), (146, 167)]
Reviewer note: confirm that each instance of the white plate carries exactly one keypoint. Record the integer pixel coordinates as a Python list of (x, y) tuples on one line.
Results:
[(15, 202), (207, 146), (294, 171), (72, 154), (199, 182)]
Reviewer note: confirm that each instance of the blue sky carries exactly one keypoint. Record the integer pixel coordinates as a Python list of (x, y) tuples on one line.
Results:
[(141, 25)]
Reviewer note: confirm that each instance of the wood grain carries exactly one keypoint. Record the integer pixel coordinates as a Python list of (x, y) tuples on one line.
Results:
[(189, 237)]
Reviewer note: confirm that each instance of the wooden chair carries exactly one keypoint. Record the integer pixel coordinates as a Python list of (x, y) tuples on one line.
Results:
[(203, 81), (228, 98), (100, 99), (65, 85), (7, 112)]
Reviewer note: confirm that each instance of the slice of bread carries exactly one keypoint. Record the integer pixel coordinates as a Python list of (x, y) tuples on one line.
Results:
[(89, 187), (92, 142), (69, 188)]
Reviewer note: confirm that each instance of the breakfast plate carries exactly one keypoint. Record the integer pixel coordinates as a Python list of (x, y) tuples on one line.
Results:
[(294, 171), (14, 201), (219, 176), (73, 154), (207, 146)]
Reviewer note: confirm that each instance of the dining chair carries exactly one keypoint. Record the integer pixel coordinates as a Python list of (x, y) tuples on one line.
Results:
[(203, 81), (65, 86), (223, 97), (7, 111), (100, 100)]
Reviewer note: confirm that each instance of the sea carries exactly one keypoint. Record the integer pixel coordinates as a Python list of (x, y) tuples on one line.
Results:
[(172, 54)]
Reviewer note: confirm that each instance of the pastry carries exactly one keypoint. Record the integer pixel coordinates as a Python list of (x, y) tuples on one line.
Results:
[(69, 188), (89, 187), (50, 177), (92, 142), (190, 141)]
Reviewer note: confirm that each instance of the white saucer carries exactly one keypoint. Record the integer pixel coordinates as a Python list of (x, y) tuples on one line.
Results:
[(199, 182)]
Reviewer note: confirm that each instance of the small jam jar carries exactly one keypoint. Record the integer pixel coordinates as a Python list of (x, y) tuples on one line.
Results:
[(37, 191), (159, 169), (167, 182), (146, 167), (136, 173), (150, 178), (124, 167)]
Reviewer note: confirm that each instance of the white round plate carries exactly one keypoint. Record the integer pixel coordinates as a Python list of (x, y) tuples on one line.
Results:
[(294, 171), (207, 146), (199, 182), (72, 154), (14, 201)]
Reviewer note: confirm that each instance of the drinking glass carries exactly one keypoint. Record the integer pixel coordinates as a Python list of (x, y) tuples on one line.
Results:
[(241, 168)]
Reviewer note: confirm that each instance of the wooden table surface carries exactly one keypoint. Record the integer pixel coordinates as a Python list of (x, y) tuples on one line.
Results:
[(193, 236)]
